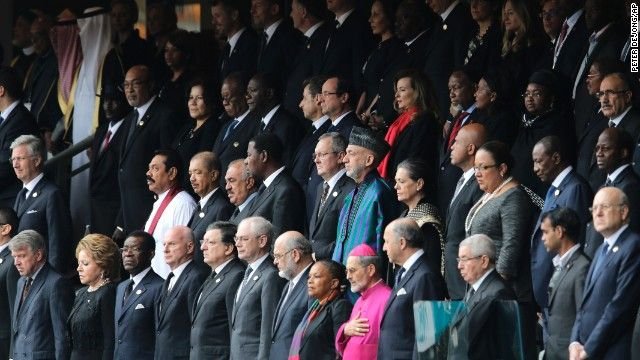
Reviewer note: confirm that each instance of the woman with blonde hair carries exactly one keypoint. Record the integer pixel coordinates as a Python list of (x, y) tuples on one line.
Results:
[(91, 322)]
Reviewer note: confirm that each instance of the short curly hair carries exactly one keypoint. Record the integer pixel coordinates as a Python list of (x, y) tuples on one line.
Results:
[(104, 252)]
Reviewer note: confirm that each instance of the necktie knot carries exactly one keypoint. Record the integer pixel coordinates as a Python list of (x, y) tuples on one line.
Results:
[(247, 273)]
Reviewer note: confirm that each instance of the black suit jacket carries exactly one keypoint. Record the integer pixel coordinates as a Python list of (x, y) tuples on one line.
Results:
[(244, 56), (235, 145), (45, 211), (586, 164), (345, 125), (217, 208), (103, 183), (8, 280), (155, 130), (278, 56), (288, 316), (455, 233), (306, 63), (19, 122), (288, 129), (477, 325), (135, 318), (397, 330), (211, 313), (39, 325), (347, 49), (572, 51), (318, 341), (173, 315), (282, 203), (323, 226)]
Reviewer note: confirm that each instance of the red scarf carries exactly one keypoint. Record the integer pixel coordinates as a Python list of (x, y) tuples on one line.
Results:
[(394, 131)]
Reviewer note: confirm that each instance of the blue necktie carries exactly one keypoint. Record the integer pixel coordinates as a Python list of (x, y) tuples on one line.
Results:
[(399, 276), (549, 197), (601, 259)]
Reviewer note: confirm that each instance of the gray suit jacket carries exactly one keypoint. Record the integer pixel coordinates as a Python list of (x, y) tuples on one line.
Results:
[(8, 280), (564, 302), (39, 325), (253, 313), (288, 316), (211, 313)]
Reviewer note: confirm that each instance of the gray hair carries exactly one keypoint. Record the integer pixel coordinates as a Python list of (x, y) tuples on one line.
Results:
[(300, 243), (408, 229), (338, 142), (370, 260), (481, 244), (245, 171), (260, 226), (28, 239), (33, 143), (209, 159)]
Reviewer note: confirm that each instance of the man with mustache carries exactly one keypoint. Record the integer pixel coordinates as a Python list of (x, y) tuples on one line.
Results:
[(173, 206)]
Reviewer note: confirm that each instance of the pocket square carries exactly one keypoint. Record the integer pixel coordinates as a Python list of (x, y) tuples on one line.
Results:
[(402, 291), (32, 211), (139, 306)]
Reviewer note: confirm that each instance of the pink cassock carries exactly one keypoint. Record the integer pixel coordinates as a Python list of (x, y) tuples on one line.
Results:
[(370, 305)]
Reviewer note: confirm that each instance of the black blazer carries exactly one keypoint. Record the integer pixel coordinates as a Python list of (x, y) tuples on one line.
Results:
[(347, 49), (103, 183), (91, 323), (217, 208), (397, 331), (586, 164), (8, 280), (235, 145), (282, 203), (154, 131), (323, 226), (45, 211), (455, 233), (211, 313), (345, 125), (288, 316), (572, 51), (173, 314), (188, 143), (39, 325), (19, 122), (306, 63), (288, 129), (477, 323), (278, 56), (135, 318), (318, 341), (244, 56)]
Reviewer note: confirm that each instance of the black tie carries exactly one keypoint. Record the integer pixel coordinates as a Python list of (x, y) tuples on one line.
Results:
[(165, 290), (22, 195), (230, 129), (127, 291), (1, 119), (263, 45), (261, 190), (612, 124), (247, 273), (132, 127), (399, 276), (470, 293), (608, 182), (225, 59), (25, 290), (235, 213)]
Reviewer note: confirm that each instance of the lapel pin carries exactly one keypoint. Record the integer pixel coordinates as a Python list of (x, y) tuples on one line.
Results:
[(139, 292), (35, 194), (444, 27), (141, 123), (1, 260), (335, 194), (556, 193), (88, 301), (201, 214), (217, 280), (236, 144), (255, 278), (615, 249)]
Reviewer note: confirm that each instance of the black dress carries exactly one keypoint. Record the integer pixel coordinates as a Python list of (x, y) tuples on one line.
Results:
[(91, 323), (428, 218), (378, 64)]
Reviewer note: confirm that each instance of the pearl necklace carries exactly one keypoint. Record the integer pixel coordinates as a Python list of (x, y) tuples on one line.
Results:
[(483, 200), (101, 284)]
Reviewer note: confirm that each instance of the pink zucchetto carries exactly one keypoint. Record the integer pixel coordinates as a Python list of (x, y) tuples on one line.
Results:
[(363, 250)]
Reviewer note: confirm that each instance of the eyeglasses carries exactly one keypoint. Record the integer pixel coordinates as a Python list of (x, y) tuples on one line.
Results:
[(20, 158), (534, 94), (464, 260), (136, 84), (602, 148), (603, 207), (326, 93), (610, 93), (321, 155), (483, 168), (280, 256)]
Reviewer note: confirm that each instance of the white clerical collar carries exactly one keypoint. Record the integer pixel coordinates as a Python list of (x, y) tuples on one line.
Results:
[(563, 174), (272, 177)]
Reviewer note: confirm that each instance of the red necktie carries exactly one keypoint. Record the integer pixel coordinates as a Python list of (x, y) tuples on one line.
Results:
[(105, 142), (456, 127)]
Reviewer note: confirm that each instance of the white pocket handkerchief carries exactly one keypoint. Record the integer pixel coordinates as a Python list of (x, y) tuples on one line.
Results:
[(32, 211), (401, 292), (139, 306)]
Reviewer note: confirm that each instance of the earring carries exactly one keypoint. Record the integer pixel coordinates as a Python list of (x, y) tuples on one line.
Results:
[(102, 275)]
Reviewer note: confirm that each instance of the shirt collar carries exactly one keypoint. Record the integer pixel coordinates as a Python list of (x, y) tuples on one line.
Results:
[(28, 50), (596, 35), (446, 13), (313, 29), (203, 200), (233, 39), (2, 247), (271, 177), (573, 19), (32, 184), (563, 174), (616, 172), (611, 240), (5, 114), (113, 127), (178, 271), (342, 18), (271, 29), (297, 278), (267, 118), (618, 118), (247, 201), (468, 174), (408, 43), (562, 261), (476, 285), (412, 259), (143, 109), (339, 118), (136, 279), (256, 264), (219, 268), (242, 117), (35, 273), (334, 179), (320, 121)]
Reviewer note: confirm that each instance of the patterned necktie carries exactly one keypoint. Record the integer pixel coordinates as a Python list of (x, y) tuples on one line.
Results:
[(245, 279), (25, 290), (458, 188), (553, 282), (469, 294), (127, 291), (612, 124), (399, 276), (325, 195)]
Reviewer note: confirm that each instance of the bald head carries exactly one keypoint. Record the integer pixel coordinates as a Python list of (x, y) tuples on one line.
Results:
[(469, 138), (610, 210), (179, 245), (291, 254), (138, 85)]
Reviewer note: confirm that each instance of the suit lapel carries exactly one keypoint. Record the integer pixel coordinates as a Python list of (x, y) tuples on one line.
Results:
[(11, 115), (266, 193), (407, 276), (563, 274), (255, 277), (33, 196), (171, 296), (337, 190), (316, 322)]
